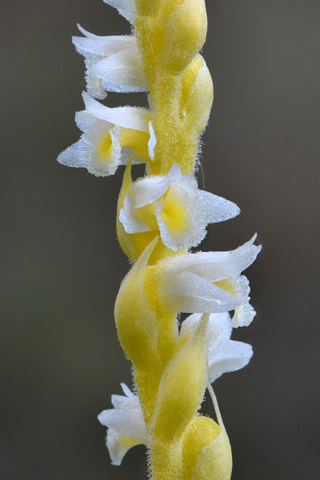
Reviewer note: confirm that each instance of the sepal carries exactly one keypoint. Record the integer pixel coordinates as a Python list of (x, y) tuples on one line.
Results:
[(182, 44)]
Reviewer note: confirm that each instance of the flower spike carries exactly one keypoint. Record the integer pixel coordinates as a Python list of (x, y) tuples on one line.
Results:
[(110, 136), (160, 217)]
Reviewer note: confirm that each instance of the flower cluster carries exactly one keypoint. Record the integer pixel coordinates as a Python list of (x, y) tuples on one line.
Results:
[(160, 217)]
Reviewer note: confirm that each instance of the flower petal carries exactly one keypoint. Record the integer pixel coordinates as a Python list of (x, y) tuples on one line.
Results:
[(152, 141), (90, 151), (218, 208), (245, 313), (231, 356), (188, 292), (126, 421), (218, 331), (149, 189), (215, 266), (126, 8), (122, 72), (73, 156), (224, 355), (126, 418), (131, 222), (127, 117), (102, 46), (113, 63), (118, 445)]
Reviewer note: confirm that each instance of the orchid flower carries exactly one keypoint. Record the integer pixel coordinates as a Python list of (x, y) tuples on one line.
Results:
[(110, 136), (126, 426), (209, 282), (113, 64), (173, 205)]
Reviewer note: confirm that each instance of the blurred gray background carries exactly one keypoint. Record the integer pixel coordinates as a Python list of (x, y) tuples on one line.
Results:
[(61, 265)]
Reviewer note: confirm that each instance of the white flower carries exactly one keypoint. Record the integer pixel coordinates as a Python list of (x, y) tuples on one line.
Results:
[(209, 282), (113, 64), (224, 355), (110, 135), (126, 425), (175, 206)]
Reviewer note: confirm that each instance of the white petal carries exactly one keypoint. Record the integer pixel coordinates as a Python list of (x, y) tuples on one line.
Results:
[(88, 122), (94, 83), (126, 390), (245, 313), (218, 209), (218, 330), (126, 426), (127, 417), (106, 168), (126, 8), (118, 445), (197, 211), (84, 152), (215, 266), (98, 46), (128, 218), (195, 228), (152, 141), (187, 292), (229, 357), (122, 72), (128, 422), (73, 156), (224, 355), (121, 53), (127, 117), (148, 189)]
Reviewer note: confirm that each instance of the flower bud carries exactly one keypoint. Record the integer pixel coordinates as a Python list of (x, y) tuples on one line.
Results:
[(198, 95), (200, 433), (214, 461), (181, 388), (135, 318), (185, 33)]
